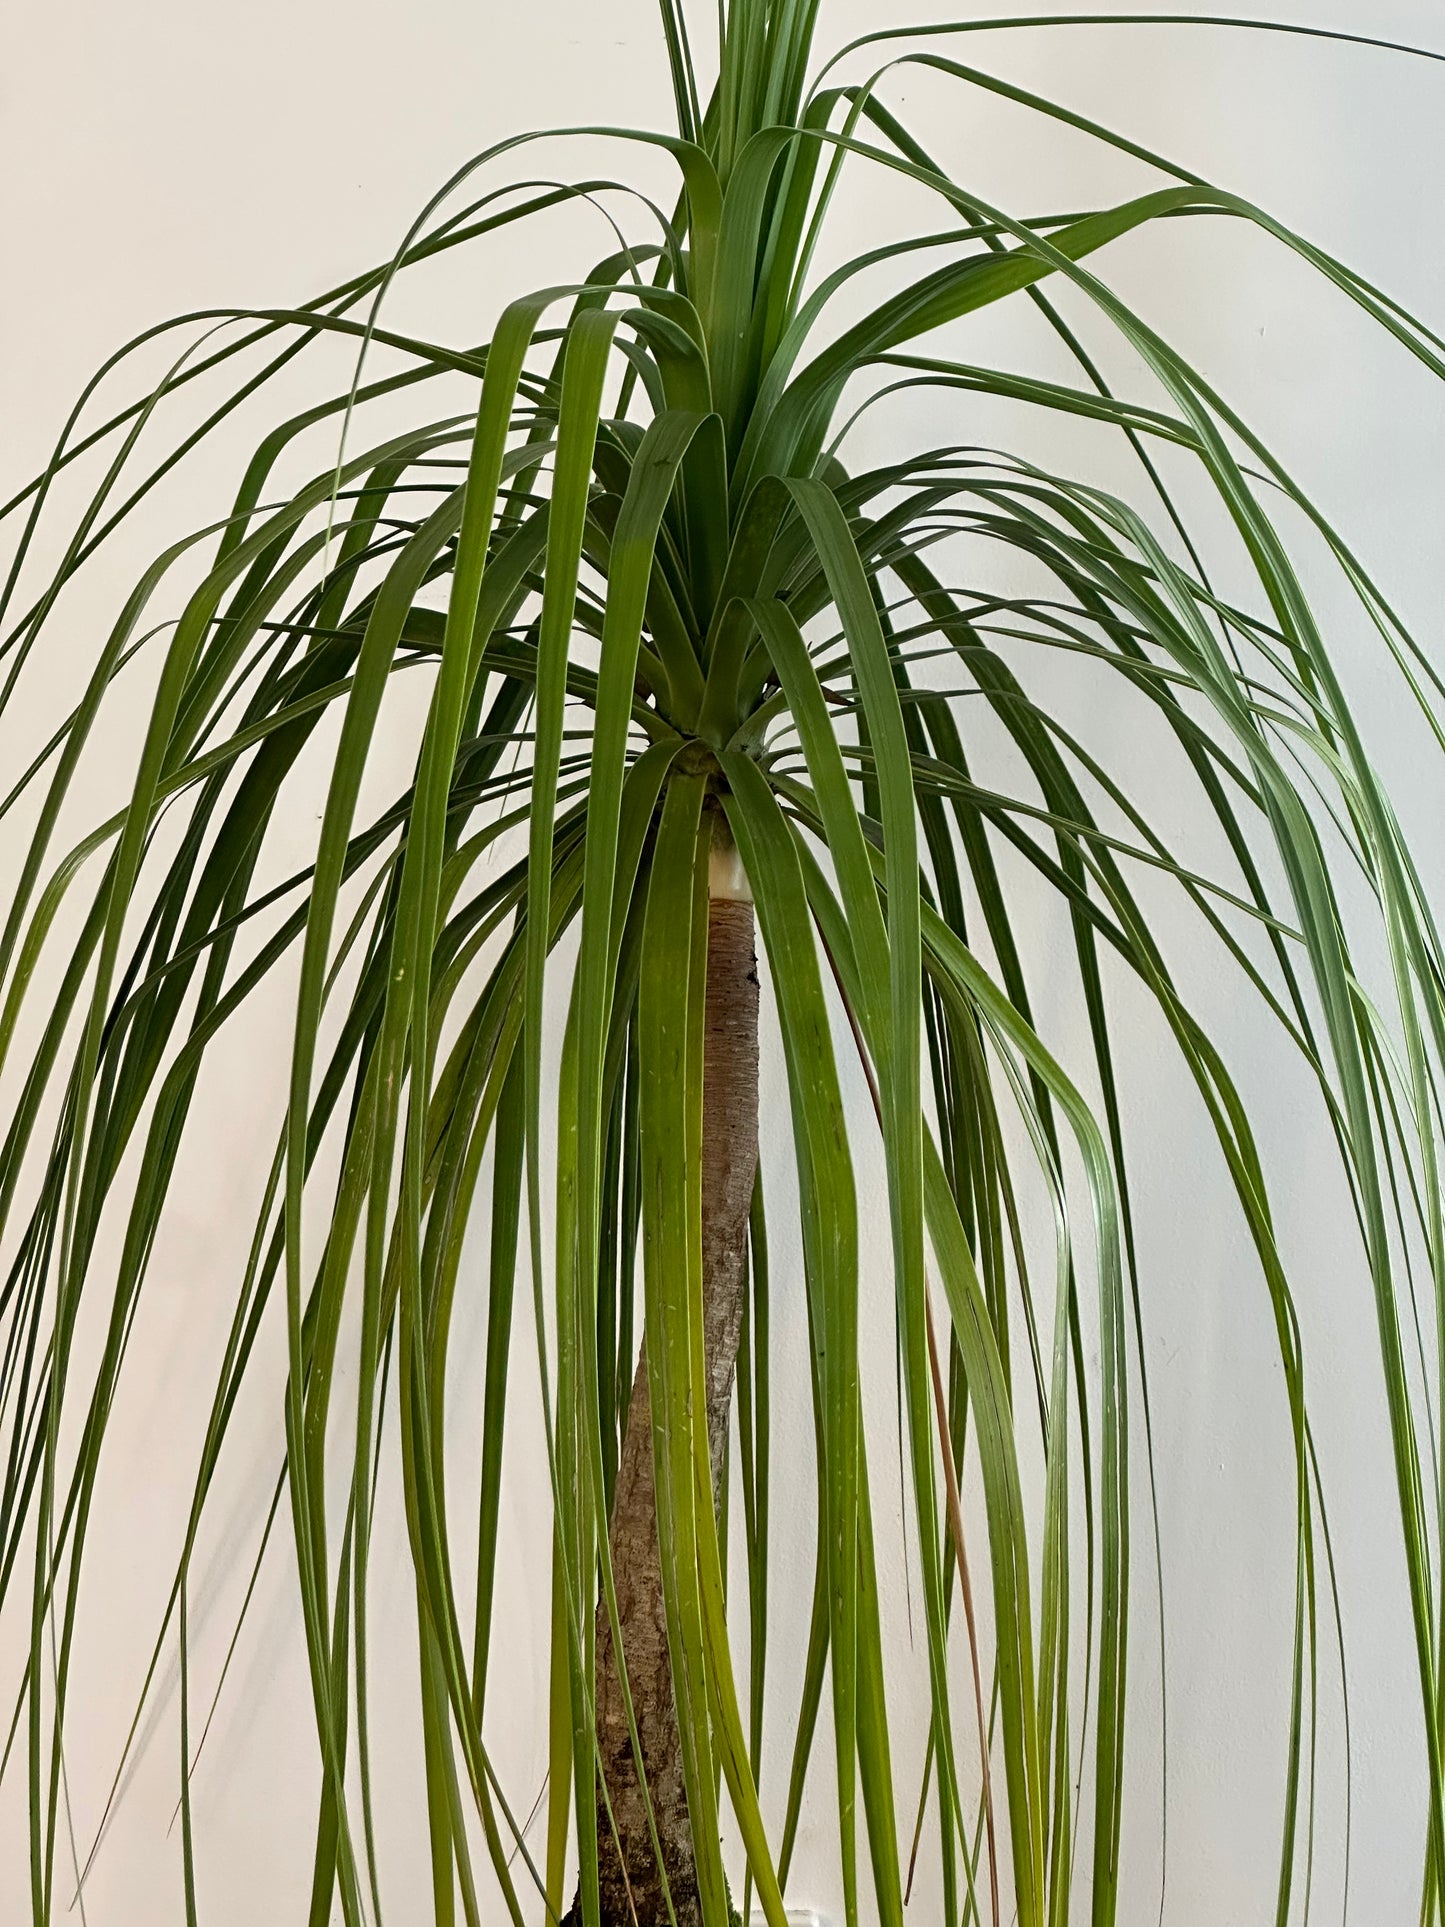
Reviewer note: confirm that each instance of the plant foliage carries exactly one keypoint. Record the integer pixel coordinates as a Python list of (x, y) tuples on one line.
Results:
[(642, 576)]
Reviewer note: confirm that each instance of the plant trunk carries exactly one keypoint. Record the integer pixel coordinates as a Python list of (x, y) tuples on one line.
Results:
[(729, 1165)]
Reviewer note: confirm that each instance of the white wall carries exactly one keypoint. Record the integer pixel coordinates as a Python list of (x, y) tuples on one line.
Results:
[(159, 156)]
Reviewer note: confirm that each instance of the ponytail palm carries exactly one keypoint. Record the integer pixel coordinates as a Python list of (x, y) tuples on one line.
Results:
[(693, 666)]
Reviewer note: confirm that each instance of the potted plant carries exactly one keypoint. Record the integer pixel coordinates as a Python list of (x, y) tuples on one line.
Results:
[(689, 753)]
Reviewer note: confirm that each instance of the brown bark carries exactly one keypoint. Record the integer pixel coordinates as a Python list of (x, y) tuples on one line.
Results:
[(729, 1163)]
